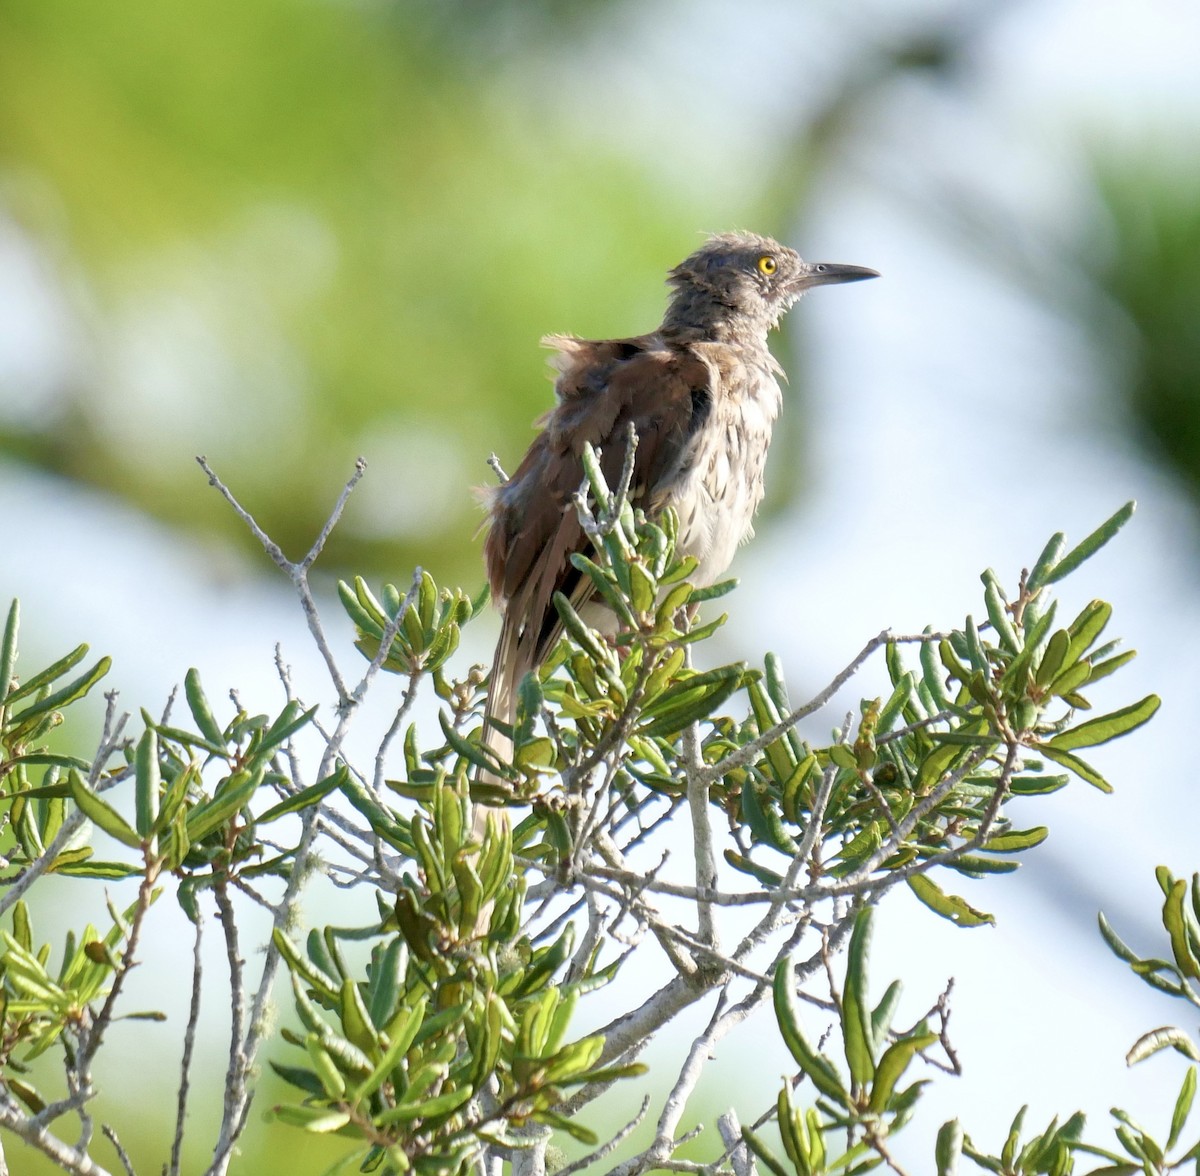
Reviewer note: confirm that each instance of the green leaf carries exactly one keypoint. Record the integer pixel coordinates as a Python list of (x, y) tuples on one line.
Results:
[(306, 1080), (384, 988), (383, 824), (881, 1018), (691, 699), (1114, 941), (68, 694), (306, 797), (998, 613), (1051, 554), (948, 1150), (8, 648), (472, 752), (1084, 630), (1037, 785), (762, 818), (712, 591), (765, 1154), (1175, 920), (949, 906), (1102, 669), (824, 1077), (291, 719), (147, 782), (333, 1081), (231, 796), (1014, 841), (403, 1032), (101, 814), (975, 650), (312, 975), (430, 1108), (1085, 550), (48, 759), (44, 677), (744, 865), (323, 1124), (856, 1020), (1183, 1106), (779, 755), (642, 589), (106, 871), (892, 1065), (202, 714), (931, 674), (939, 763), (571, 1127), (1052, 659), (22, 927), (1081, 768), (1105, 727)]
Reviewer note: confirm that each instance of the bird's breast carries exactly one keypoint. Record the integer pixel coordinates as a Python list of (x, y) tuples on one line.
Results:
[(722, 484)]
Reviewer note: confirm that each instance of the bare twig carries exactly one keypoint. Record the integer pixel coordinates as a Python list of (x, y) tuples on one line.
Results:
[(110, 1134), (36, 1134), (663, 1147), (496, 468), (746, 753), (297, 572), (738, 1153), (702, 834), (406, 703), (611, 1146), (189, 1042), (237, 1064), (234, 1118), (91, 1041)]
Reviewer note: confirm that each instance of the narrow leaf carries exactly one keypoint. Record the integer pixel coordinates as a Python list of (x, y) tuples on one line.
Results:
[(892, 1065), (856, 1020), (1105, 727), (1115, 942), (101, 814), (1175, 920), (8, 648), (147, 782), (948, 1149), (1081, 768), (1085, 550), (1183, 1106), (44, 677), (68, 694), (1015, 841), (765, 1154), (202, 714), (305, 798), (824, 1077), (1051, 554), (1168, 1037), (949, 906)]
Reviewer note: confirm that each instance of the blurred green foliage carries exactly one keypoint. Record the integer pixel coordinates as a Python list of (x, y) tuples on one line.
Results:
[(1148, 266), (296, 232)]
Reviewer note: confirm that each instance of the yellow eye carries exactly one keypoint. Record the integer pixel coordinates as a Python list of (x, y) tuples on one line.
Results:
[(767, 265)]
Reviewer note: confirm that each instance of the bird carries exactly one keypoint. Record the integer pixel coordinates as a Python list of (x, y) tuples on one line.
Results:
[(702, 393)]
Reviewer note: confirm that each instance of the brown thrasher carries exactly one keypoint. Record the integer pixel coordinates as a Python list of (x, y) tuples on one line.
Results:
[(702, 394)]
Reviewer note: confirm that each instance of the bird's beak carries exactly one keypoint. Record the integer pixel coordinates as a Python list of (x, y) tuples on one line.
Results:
[(827, 273)]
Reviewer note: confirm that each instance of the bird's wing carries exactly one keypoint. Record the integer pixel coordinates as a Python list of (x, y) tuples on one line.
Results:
[(602, 387)]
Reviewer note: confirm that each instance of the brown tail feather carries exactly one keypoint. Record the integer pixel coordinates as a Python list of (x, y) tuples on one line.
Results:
[(502, 706)]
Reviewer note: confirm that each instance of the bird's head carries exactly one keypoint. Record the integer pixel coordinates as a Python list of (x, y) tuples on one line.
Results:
[(739, 283)]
